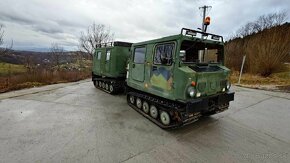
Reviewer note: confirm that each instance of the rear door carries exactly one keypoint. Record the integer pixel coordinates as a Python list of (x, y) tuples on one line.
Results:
[(138, 66), (97, 63)]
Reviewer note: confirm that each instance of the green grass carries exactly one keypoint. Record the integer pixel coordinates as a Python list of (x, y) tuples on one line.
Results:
[(6, 69)]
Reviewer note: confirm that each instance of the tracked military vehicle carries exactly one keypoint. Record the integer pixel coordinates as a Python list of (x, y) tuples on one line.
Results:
[(109, 66), (175, 80)]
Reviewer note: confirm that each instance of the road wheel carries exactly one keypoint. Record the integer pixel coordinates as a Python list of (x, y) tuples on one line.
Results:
[(165, 118), (100, 84), (132, 99), (145, 107), (95, 83), (111, 87), (153, 111), (107, 87), (103, 85), (139, 103)]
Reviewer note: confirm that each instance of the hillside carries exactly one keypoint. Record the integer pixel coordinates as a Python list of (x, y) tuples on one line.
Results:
[(22, 57), (24, 69), (266, 51)]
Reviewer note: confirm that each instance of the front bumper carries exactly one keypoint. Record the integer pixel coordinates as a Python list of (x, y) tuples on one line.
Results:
[(211, 103)]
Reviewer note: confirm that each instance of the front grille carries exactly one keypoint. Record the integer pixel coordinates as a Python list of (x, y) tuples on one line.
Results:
[(201, 86)]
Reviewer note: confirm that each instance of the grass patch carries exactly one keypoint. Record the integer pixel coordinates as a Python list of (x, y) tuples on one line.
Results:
[(7, 68), (250, 79), (28, 85), (275, 82), (281, 79)]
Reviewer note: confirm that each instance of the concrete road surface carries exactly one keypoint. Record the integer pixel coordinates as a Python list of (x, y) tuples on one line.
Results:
[(77, 123)]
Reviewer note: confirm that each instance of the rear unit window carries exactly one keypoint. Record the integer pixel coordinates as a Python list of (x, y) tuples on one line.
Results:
[(99, 55), (108, 55)]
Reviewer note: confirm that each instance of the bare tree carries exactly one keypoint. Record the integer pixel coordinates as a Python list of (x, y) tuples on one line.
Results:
[(4, 50), (270, 20), (262, 23), (56, 52), (95, 34), (29, 63)]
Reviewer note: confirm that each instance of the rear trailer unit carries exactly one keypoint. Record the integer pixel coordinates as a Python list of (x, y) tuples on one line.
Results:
[(109, 66)]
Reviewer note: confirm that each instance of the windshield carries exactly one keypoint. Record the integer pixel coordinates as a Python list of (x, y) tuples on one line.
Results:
[(199, 52)]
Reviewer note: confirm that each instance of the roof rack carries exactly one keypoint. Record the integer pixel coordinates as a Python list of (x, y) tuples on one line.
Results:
[(202, 35), (112, 44)]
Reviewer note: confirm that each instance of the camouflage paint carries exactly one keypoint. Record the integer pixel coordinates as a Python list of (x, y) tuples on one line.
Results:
[(161, 78)]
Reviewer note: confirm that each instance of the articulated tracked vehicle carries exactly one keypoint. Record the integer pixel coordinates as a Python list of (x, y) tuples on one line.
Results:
[(175, 80)]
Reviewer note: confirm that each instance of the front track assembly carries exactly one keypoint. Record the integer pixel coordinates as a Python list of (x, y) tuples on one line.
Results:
[(164, 113)]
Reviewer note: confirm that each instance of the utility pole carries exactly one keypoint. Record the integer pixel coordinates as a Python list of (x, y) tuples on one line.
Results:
[(204, 10), (244, 58)]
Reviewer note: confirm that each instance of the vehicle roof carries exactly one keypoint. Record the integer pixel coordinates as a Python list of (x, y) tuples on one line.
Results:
[(176, 37), (114, 44), (163, 39)]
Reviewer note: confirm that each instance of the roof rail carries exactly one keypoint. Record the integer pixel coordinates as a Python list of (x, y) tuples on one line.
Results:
[(203, 35), (112, 44)]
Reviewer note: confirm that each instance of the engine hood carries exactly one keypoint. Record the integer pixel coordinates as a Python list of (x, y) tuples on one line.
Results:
[(211, 79)]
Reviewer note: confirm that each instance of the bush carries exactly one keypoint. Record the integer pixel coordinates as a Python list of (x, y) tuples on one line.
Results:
[(41, 77)]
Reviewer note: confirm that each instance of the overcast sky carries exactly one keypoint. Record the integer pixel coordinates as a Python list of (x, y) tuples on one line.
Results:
[(38, 23)]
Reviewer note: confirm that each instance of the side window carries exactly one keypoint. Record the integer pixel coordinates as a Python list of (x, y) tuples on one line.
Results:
[(108, 55), (163, 54), (99, 54), (139, 55)]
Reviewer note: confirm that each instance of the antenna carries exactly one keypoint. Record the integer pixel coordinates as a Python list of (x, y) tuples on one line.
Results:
[(204, 11)]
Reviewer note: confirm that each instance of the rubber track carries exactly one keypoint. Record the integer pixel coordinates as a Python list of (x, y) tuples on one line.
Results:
[(163, 105), (117, 90)]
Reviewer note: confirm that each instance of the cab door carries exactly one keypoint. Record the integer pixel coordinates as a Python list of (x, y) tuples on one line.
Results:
[(138, 66)]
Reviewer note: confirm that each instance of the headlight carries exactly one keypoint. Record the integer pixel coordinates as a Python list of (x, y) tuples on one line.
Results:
[(191, 91), (228, 85)]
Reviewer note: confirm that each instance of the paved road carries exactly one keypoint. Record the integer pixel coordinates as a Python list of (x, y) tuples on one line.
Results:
[(77, 123)]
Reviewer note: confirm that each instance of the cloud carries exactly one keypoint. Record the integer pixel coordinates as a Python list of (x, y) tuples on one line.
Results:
[(47, 29), (14, 18), (39, 23)]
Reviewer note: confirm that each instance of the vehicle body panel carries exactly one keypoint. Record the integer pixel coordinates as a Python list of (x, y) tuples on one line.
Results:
[(113, 60)]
